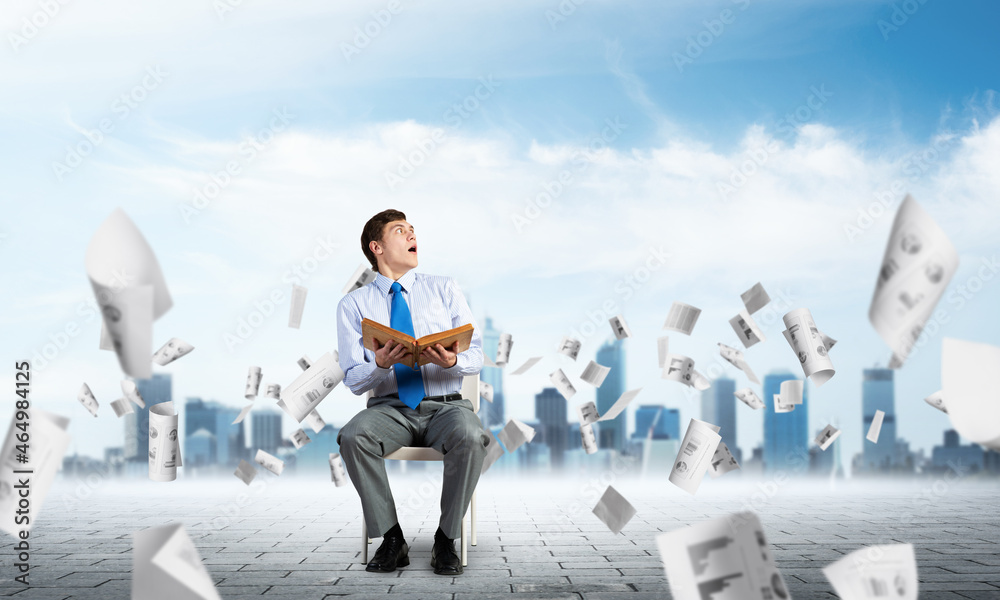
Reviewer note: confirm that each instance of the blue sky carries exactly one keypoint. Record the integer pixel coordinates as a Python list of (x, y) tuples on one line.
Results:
[(888, 96)]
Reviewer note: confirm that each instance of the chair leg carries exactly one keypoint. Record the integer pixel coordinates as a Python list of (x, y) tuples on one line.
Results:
[(465, 555), (473, 517), (364, 541)]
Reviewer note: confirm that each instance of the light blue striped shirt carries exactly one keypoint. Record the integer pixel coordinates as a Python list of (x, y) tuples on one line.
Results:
[(436, 304)]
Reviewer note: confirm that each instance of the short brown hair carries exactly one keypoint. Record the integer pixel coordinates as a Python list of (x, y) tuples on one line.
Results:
[(374, 229)]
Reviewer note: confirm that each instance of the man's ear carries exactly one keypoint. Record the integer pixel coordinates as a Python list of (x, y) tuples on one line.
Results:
[(374, 247)]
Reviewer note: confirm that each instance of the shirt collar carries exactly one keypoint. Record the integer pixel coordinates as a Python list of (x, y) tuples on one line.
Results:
[(383, 283)]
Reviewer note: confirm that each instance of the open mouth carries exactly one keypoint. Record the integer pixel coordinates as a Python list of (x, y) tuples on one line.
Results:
[(413, 249)]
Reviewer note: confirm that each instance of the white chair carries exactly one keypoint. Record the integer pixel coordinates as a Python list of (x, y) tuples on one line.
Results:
[(470, 391)]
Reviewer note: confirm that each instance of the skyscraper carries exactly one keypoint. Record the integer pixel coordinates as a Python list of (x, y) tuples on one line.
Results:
[(266, 434), (718, 407), (878, 393), (786, 435), (611, 433), (492, 413), (664, 422), (154, 390), (550, 410), (216, 419)]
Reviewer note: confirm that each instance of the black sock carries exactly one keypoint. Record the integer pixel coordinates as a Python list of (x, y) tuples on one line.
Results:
[(439, 534), (394, 530)]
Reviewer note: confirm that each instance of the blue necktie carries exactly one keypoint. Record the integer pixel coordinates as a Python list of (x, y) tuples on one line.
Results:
[(409, 381)]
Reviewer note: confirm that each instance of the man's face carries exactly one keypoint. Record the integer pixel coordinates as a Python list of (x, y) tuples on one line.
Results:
[(398, 246)]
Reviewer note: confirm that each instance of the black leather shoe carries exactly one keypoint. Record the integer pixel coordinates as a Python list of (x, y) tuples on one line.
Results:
[(443, 557), (391, 554)]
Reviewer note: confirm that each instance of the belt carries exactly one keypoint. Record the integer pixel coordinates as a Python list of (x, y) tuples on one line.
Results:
[(444, 398)]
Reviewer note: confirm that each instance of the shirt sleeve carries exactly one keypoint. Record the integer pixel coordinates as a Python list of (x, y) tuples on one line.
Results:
[(469, 362), (360, 371)]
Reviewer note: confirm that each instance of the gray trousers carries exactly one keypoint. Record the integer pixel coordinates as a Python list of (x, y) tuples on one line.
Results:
[(451, 428)]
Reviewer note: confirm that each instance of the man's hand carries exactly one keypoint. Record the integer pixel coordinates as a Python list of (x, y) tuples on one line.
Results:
[(391, 353), (441, 356)]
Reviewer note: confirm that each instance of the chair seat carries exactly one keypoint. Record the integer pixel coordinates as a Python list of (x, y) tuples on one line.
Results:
[(415, 453)]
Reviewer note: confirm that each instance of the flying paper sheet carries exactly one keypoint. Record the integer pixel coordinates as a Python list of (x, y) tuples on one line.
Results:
[(735, 357), (619, 327), (875, 573), (131, 392), (273, 391), (746, 329), (937, 401), (679, 368), (503, 349), (695, 455), (620, 404), (243, 414), (486, 391), (789, 395), (130, 289), (310, 387), (305, 362), (515, 434), (662, 349), (562, 383), (297, 305), (493, 452), (587, 413), (919, 263), (968, 379), (527, 365), (245, 472), (315, 421), (727, 558), (253, 383), (682, 318), (86, 398), (594, 373), (750, 398), (361, 277), (614, 510), (723, 461), (826, 437), (166, 565), (269, 462), (122, 407), (755, 298), (570, 347), (876, 427), (588, 438), (47, 445), (164, 445), (300, 438), (171, 351), (337, 474), (809, 345)]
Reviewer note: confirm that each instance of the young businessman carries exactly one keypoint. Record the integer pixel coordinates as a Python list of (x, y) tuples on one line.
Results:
[(408, 407)]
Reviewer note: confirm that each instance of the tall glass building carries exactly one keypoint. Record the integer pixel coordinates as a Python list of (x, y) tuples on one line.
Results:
[(786, 435), (492, 414), (265, 430), (611, 433), (216, 419), (664, 422), (550, 410), (718, 407), (878, 393)]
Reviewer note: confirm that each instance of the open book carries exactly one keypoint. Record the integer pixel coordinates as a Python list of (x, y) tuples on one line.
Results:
[(371, 329)]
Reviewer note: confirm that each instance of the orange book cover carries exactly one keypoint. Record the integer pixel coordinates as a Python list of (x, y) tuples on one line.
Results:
[(372, 330)]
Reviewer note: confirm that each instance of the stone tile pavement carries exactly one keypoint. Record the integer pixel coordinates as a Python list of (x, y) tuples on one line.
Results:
[(299, 538)]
